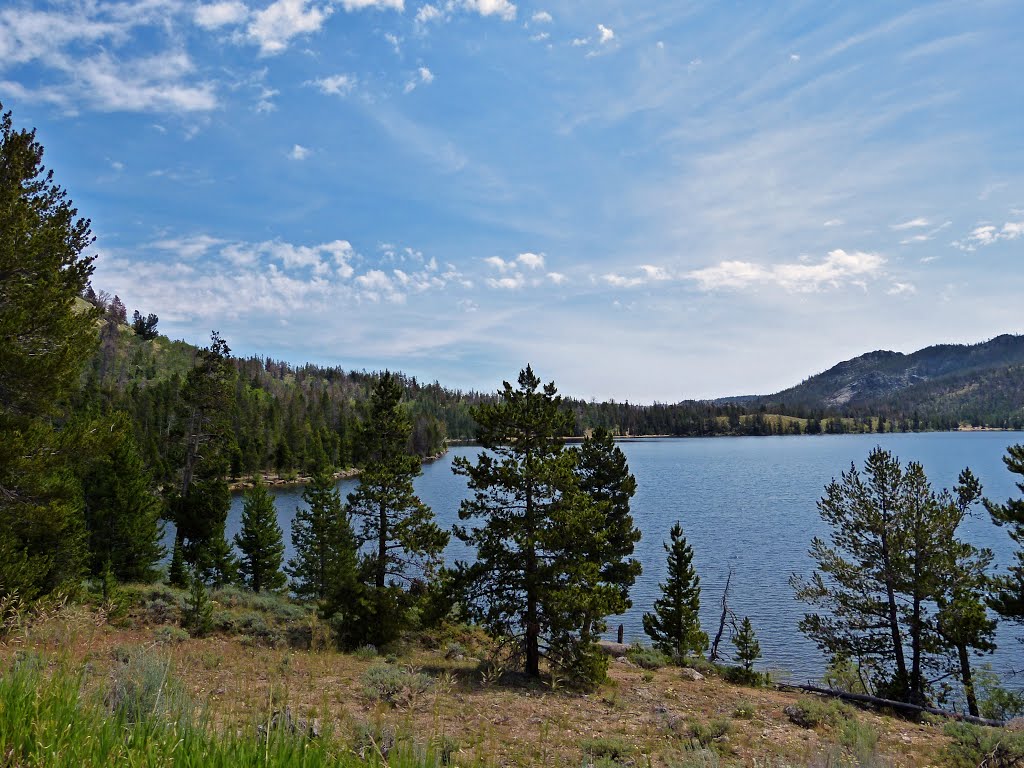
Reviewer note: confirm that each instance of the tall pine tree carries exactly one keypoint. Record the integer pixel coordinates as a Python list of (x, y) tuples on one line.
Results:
[(46, 339), (325, 547), (260, 541), (1009, 597), (674, 627), (404, 540), (537, 576)]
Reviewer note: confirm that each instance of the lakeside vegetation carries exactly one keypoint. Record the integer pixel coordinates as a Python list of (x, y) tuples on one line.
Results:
[(90, 473)]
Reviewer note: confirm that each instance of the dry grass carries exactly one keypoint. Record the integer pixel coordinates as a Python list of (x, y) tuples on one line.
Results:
[(649, 717)]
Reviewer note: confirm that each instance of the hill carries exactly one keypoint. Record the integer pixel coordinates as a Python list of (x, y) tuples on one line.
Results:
[(941, 386)]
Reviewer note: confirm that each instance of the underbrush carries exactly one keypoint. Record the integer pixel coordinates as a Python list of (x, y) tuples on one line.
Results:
[(52, 719)]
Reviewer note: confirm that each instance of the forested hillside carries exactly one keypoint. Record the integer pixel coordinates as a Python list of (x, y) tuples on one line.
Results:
[(939, 387)]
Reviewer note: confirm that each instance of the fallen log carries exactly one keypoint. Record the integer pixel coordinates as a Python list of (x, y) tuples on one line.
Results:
[(863, 698)]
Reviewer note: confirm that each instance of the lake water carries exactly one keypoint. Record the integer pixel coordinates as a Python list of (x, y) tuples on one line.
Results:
[(748, 504)]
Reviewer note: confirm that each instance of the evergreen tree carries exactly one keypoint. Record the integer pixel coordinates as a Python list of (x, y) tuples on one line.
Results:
[(325, 547), (200, 505), (1009, 595), (878, 583), (46, 338), (532, 579), (405, 541), (260, 541), (674, 627), (604, 476), (748, 650), (177, 571), (197, 616), (122, 512)]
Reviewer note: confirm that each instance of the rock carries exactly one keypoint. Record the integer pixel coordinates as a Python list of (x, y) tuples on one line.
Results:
[(613, 649), (623, 660), (691, 674)]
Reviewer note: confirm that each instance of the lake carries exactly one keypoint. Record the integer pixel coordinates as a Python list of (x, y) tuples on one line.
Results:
[(748, 504)]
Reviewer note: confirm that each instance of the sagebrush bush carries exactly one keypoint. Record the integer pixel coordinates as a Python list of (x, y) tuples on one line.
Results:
[(394, 685)]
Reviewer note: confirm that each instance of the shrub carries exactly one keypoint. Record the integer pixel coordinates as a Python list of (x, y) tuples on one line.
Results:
[(972, 746), (861, 739), (169, 635), (745, 710), (810, 713), (744, 676), (608, 747), (394, 685), (143, 687), (365, 652), (711, 733), (647, 658)]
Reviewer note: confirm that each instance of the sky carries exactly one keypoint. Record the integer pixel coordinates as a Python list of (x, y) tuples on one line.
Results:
[(647, 201)]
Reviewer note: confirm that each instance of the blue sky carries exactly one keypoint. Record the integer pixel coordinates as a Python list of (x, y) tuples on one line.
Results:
[(646, 200)]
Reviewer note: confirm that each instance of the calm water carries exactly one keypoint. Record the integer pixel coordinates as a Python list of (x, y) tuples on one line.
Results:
[(748, 503)]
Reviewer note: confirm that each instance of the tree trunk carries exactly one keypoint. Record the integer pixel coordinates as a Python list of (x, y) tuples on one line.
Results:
[(382, 545), (894, 624), (713, 656), (532, 639), (967, 679)]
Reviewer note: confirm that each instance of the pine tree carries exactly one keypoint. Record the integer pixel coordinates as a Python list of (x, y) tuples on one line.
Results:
[(748, 650), (200, 505), (533, 579), (46, 339), (603, 474), (260, 541), (325, 547), (674, 626), (122, 511), (1009, 597), (878, 583), (177, 572), (197, 616), (405, 540)]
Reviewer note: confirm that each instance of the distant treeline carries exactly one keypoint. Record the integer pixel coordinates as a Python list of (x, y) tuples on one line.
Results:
[(283, 415)]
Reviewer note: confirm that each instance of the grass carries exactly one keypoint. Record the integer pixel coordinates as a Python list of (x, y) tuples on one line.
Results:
[(430, 706), (46, 721)]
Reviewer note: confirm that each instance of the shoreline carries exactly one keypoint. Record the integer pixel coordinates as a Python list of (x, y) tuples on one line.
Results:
[(274, 480)]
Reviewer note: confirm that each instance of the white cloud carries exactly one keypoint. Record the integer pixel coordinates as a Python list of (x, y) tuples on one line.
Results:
[(358, 5), (275, 26), (396, 43), (541, 17), (188, 247), (531, 260), (423, 77), (578, 42), (833, 223), (501, 8), (428, 13), (838, 268), (648, 274), (511, 283), (654, 274), (540, 37), (901, 288), (911, 224), (989, 234), (217, 15), (299, 152), (499, 263), (607, 34), (794, 57), (155, 83), (556, 277), (334, 85)]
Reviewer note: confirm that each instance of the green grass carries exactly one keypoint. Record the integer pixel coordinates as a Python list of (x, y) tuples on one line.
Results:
[(51, 719)]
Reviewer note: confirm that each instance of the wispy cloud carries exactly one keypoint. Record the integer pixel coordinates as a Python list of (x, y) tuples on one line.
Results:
[(837, 269), (989, 234), (423, 77), (299, 152), (334, 85), (279, 23), (217, 15), (911, 224)]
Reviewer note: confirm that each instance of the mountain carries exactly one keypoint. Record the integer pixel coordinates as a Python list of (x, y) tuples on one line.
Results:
[(982, 384)]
